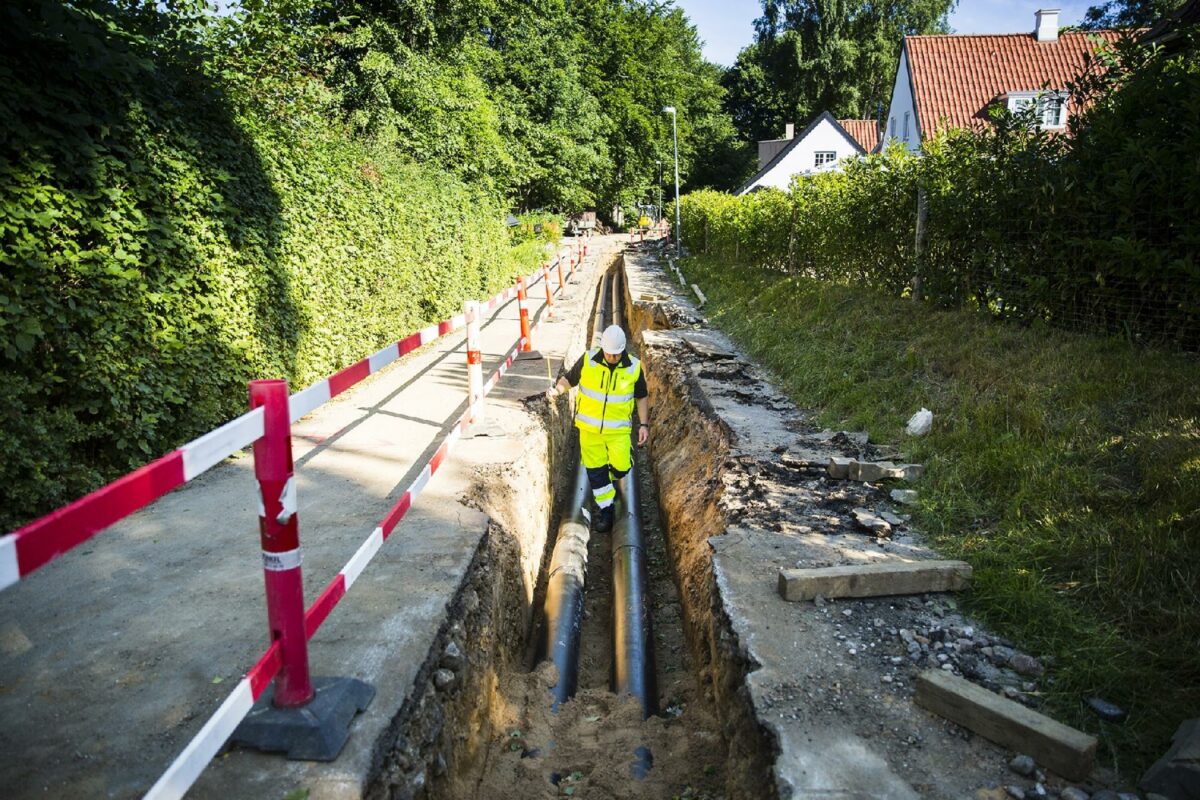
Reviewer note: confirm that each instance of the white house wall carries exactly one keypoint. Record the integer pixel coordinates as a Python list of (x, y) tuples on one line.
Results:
[(802, 158), (902, 103)]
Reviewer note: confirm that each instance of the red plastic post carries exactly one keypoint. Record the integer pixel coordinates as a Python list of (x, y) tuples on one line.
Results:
[(279, 530), (549, 294), (560, 277), (526, 337)]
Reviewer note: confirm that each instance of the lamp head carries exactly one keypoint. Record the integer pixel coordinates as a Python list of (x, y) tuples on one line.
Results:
[(668, 109)]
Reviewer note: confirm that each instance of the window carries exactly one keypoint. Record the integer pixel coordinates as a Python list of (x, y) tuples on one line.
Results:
[(825, 157), (892, 129), (906, 115), (1051, 108)]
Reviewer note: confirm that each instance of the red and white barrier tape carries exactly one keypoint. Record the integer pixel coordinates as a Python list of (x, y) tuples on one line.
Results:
[(180, 776), (38, 543)]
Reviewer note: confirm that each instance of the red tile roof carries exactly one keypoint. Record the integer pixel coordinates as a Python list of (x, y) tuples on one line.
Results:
[(864, 131), (956, 77)]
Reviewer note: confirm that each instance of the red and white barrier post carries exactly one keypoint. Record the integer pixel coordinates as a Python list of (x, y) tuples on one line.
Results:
[(526, 337), (558, 263), (305, 718), (474, 361), (280, 533), (549, 293)]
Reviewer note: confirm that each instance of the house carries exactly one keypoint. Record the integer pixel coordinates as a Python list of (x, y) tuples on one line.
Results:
[(952, 81), (818, 148)]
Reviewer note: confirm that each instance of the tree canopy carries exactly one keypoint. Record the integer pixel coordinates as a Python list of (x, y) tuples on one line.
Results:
[(810, 56)]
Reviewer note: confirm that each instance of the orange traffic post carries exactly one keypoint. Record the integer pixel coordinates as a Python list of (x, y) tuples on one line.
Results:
[(549, 294), (558, 263)]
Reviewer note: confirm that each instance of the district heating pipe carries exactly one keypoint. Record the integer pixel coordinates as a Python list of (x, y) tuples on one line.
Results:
[(563, 608)]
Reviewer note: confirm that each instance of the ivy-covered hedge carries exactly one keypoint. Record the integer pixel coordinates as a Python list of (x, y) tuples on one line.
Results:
[(1095, 231), (162, 242)]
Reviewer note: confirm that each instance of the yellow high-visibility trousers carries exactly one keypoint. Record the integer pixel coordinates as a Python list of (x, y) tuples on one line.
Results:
[(605, 456)]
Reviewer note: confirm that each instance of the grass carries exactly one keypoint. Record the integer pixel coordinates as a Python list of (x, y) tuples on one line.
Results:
[(1064, 468)]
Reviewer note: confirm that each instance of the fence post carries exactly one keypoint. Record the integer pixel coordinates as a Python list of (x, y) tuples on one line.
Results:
[(919, 244), (558, 263), (526, 341), (549, 294), (474, 361), (306, 718), (280, 532)]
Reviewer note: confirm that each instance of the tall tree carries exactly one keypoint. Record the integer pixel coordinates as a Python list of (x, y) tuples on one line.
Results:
[(1127, 13), (810, 56)]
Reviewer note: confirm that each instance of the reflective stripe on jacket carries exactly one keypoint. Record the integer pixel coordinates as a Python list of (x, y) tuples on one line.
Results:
[(605, 400)]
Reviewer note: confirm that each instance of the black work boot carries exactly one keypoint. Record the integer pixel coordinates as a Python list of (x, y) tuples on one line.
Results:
[(604, 520)]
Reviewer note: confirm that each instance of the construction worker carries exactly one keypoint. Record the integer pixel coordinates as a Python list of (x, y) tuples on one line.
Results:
[(611, 385)]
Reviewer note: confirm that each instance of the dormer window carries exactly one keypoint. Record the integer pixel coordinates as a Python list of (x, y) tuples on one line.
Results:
[(825, 158), (1051, 107)]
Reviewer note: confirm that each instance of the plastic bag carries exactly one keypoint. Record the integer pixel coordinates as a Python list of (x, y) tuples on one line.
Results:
[(920, 423)]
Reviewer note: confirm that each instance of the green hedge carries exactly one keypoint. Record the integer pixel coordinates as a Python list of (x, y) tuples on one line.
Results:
[(1092, 232), (162, 244)]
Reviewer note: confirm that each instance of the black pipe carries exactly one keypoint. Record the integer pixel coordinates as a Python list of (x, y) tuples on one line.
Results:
[(563, 607), (633, 651), (564, 592)]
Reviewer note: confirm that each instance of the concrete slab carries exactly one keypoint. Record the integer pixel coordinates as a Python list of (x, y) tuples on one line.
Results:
[(115, 655)]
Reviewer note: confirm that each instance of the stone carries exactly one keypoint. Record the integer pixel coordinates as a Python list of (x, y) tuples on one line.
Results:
[(891, 519), (871, 522), (1107, 711), (1026, 665), (1015, 792), (870, 470), (452, 657), (1177, 773), (1023, 765), (838, 467), (1106, 794), (1073, 793), (909, 472), (904, 496), (444, 680)]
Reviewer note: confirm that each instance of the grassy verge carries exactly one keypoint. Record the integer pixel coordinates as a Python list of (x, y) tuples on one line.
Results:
[(1066, 469)]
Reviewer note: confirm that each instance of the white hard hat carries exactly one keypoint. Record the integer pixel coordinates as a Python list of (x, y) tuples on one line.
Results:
[(612, 341)]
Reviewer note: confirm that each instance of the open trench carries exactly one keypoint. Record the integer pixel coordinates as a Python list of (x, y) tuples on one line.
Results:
[(486, 724)]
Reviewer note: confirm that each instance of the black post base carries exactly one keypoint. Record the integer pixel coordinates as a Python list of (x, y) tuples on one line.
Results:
[(316, 731)]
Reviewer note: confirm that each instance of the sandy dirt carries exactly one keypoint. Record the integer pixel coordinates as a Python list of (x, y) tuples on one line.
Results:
[(587, 749)]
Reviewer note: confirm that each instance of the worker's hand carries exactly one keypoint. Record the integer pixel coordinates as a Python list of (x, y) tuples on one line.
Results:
[(643, 435)]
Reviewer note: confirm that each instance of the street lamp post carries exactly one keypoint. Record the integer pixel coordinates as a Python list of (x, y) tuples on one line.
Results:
[(675, 136), (658, 181)]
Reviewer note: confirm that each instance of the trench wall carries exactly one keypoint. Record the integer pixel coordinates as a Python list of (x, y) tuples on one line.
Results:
[(440, 737), (690, 446)]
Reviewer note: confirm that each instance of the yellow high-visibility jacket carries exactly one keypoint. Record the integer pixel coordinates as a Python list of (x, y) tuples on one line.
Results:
[(605, 400)]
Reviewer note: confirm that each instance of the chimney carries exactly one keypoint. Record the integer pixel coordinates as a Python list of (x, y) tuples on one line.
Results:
[(789, 130), (1046, 28)]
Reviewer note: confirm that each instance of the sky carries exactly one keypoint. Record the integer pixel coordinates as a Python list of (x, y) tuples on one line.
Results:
[(726, 26)]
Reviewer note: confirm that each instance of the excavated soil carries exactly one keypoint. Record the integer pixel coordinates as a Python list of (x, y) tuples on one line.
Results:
[(586, 748)]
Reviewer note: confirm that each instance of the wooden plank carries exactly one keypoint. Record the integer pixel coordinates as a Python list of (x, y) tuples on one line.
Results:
[(1065, 750), (874, 580)]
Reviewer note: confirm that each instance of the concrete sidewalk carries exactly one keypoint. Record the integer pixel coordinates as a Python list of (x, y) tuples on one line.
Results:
[(114, 656)]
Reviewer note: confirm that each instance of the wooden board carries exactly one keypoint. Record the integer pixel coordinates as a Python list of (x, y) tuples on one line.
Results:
[(874, 580), (1062, 749)]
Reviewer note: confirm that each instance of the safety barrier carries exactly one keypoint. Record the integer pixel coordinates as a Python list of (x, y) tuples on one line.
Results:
[(267, 427), (41, 541)]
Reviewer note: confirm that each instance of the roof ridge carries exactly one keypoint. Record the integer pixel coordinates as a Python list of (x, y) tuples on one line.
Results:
[(1026, 34)]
